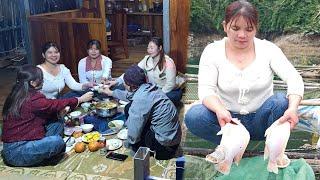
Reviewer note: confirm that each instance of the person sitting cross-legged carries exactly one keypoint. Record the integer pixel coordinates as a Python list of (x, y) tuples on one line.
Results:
[(152, 117)]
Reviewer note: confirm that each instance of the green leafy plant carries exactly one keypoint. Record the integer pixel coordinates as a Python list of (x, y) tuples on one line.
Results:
[(276, 16)]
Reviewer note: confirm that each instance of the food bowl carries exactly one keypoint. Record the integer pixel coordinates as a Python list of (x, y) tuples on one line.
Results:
[(85, 106), (77, 129), (68, 131), (86, 127), (116, 125), (75, 114)]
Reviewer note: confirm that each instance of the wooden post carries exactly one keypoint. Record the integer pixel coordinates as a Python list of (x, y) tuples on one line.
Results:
[(179, 31), (103, 32)]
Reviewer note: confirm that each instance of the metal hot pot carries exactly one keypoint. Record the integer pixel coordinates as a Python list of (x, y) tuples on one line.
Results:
[(106, 108)]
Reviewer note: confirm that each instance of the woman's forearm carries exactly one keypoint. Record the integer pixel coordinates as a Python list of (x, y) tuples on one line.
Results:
[(213, 103), (294, 101)]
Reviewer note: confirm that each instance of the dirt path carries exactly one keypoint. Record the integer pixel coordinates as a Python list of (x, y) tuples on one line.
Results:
[(300, 49), (304, 50)]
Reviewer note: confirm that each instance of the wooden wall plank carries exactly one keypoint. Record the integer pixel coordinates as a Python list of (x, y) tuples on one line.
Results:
[(158, 25), (52, 32), (55, 14), (81, 38), (68, 51), (73, 20)]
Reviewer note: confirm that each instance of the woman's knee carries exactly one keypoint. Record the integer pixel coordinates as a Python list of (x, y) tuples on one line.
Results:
[(192, 114), (281, 101), (196, 114), (276, 101), (55, 142)]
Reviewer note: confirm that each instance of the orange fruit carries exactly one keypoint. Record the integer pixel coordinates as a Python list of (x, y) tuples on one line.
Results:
[(79, 147), (93, 146)]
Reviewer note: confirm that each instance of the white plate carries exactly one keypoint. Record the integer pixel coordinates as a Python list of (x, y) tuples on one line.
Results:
[(123, 134), (113, 144), (69, 148), (75, 114), (108, 132), (123, 102)]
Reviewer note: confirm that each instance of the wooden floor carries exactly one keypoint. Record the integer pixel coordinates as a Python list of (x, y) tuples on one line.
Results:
[(8, 75), (136, 54)]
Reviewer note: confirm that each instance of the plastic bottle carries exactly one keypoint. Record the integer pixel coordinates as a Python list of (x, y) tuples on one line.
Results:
[(144, 6)]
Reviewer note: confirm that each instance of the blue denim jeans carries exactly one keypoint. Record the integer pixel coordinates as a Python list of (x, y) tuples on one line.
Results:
[(175, 96), (203, 123), (32, 153)]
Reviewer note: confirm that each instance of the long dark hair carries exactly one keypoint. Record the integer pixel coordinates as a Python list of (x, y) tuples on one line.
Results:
[(242, 8), (48, 45), (94, 42), (158, 41), (21, 90)]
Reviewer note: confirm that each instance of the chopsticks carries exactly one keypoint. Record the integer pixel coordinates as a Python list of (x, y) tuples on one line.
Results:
[(69, 137)]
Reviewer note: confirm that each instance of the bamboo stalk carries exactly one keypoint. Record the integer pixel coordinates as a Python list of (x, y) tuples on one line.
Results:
[(309, 68), (310, 103), (305, 83), (276, 82), (313, 161), (292, 155), (305, 87), (302, 103), (297, 67), (188, 101), (303, 66)]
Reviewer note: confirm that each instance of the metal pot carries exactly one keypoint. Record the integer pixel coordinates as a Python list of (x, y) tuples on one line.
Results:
[(106, 109)]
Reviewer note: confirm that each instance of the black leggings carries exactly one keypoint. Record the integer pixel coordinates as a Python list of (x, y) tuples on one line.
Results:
[(149, 140)]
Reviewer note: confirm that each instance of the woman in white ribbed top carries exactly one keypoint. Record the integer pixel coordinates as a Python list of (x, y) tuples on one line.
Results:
[(236, 80), (56, 76)]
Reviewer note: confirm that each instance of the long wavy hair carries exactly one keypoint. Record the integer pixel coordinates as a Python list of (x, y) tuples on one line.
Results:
[(21, 90), (158, 41)]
